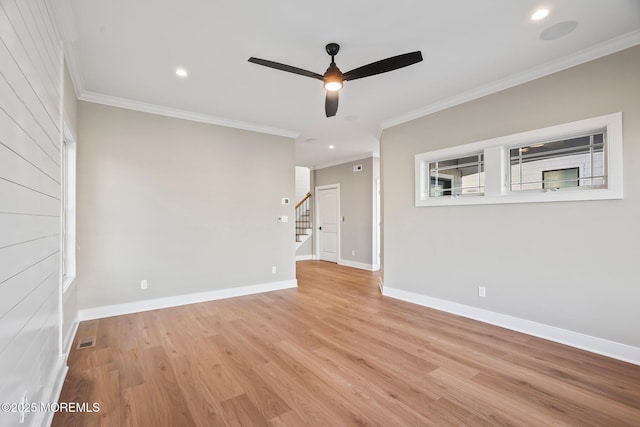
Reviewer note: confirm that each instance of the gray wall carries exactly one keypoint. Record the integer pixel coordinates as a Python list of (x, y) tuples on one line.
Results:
[(188, 206), (572, 265), (31, 360), (356, 206)]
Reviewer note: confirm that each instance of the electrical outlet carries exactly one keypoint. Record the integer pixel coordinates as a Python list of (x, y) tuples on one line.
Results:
[(273, 269), (482, 291), (353, 253), (143, 284)]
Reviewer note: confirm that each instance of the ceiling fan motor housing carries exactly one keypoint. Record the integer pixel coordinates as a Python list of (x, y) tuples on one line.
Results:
[(333, 49), (333, 74)]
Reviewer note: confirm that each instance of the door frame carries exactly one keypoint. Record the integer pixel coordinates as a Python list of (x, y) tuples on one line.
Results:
[(377, 219), (317, 190)]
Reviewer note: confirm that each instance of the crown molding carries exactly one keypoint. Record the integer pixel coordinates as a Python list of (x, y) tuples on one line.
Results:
[(344, 160), (182, 114), (603, 49), (66, 25)]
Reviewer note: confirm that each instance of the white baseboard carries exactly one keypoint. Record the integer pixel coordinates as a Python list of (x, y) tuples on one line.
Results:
[(601, 346), (304, 257), (68, 340), (52, 392), (154, 304), (360, 265)]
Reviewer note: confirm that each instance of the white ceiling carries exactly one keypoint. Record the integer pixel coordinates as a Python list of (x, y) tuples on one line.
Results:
[(124, 52)]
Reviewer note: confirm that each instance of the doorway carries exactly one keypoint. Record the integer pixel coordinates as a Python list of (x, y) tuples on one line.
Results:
[(328, 222)]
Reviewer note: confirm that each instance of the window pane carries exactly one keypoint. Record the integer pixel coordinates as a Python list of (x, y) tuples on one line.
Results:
[(457, 177), (561, 178), (573, 162)]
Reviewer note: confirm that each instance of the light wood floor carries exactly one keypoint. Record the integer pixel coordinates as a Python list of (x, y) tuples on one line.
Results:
[(334, 352)]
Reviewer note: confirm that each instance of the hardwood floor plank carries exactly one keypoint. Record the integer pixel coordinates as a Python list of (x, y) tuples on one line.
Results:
[(162, 391), (370, 403), (334, 352), (202, 395), (149, 406), (130, 368), (393, 394), (239, 411), (545, 400), (310, 407), (291, 418), (259, 392), (412, 343), (303, 390), (89, 389), (619, 387), (485, 403), (443, 412)]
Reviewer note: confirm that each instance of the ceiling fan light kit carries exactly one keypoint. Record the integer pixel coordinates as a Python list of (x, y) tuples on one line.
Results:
[(334, 79)]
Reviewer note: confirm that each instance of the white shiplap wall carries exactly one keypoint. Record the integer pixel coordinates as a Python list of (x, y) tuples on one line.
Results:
[(31, 364)]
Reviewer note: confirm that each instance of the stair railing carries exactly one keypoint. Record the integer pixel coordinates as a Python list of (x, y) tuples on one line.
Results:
[(303, 215)]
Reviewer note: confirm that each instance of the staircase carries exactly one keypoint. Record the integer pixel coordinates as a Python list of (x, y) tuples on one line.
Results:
[(303, 220)]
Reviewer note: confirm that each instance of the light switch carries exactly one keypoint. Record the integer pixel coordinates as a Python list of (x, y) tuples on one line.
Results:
[(283, 218)]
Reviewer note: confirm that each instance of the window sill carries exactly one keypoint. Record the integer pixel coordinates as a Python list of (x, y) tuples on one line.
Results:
[(528, 197)]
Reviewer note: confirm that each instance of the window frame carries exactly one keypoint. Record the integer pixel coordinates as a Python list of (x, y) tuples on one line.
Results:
[(496, 168), (68, 209)]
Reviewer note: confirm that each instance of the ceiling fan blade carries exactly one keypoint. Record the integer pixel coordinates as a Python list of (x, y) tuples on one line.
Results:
[(384, 65), (284, 67), (331, 103)]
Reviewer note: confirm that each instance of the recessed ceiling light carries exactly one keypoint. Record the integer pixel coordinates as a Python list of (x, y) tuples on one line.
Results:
[(539, 14), (331, 147), (181, 72)]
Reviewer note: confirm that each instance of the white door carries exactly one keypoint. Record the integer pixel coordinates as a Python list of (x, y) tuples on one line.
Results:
[(328, 223)]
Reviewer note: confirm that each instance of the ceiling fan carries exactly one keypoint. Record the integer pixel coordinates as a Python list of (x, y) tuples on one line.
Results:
[(333, 78)]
